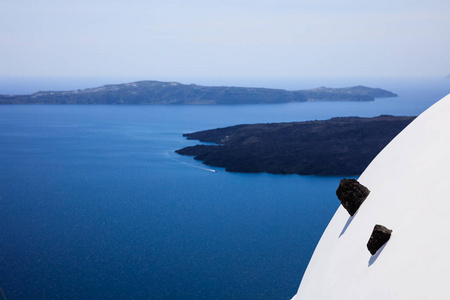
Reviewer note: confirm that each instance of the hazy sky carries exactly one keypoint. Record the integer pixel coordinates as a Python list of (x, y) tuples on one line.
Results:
[(230, 38)]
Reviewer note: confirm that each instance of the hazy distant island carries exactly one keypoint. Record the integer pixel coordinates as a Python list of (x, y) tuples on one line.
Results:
[(156, 92), (339, 146)]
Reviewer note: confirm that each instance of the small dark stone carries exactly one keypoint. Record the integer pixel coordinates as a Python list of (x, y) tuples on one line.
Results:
[(380, 235), (351, 194)]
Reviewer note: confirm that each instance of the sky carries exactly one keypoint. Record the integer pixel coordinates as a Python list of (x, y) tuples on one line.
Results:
[(150, 39)]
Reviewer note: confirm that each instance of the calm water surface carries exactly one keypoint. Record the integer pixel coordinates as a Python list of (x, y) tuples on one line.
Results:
[(94, 203)]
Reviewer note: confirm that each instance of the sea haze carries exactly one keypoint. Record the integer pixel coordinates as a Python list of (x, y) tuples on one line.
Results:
[(95, 204)]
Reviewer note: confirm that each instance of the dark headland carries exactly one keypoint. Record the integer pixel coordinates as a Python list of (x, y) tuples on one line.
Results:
[(339, 146), (156, 92)]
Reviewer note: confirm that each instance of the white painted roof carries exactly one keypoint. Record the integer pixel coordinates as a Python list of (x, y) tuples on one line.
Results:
[(410, 193)]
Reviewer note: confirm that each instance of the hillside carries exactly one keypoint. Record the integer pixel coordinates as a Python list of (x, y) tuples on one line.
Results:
[(339, 146), (156, 92)]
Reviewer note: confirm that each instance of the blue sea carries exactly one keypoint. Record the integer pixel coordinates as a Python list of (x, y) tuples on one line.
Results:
[(95, 204)]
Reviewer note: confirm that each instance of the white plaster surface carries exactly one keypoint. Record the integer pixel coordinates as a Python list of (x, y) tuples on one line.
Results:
[(410, 193)]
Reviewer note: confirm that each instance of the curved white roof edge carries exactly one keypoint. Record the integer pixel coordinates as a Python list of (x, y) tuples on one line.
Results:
[(409, 182)]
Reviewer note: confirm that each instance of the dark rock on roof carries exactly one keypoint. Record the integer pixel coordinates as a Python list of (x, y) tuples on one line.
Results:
[(380, 236), (351, 194)]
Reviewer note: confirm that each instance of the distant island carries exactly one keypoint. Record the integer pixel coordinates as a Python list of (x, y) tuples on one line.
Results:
[(339, 146), (156, 92)]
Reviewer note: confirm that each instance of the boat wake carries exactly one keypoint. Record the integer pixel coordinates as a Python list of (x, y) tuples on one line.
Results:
[(190, 164)]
